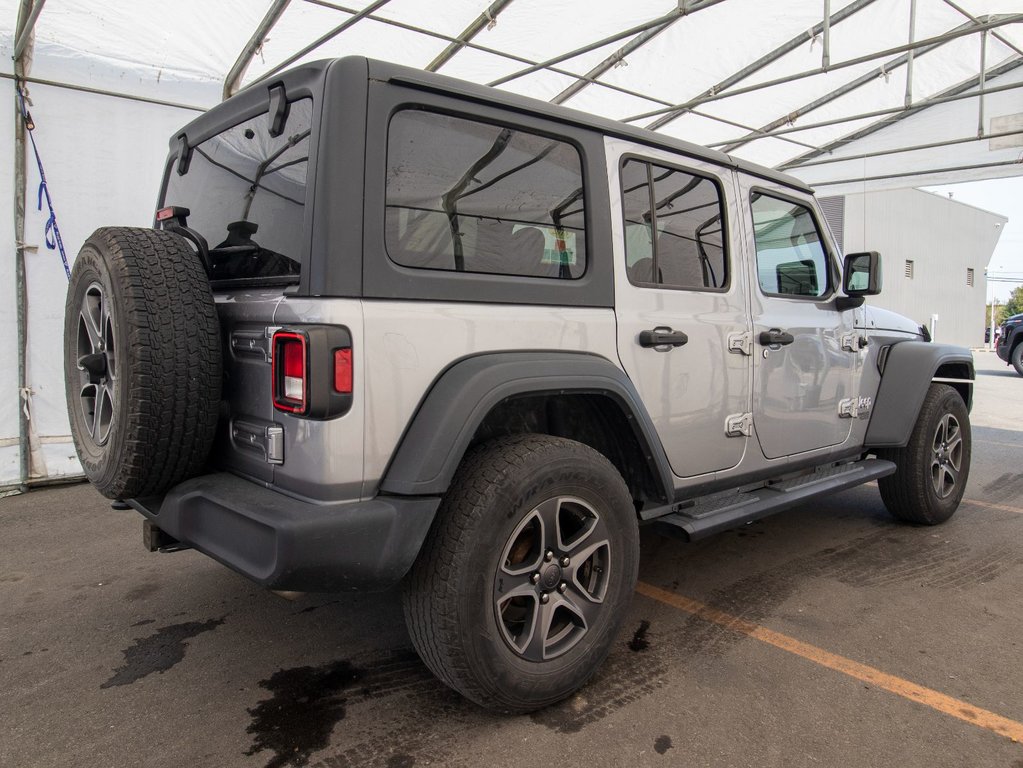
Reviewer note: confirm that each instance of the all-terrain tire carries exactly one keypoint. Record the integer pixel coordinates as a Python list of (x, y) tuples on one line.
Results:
[(142, 361), (453, 595), (932, 469), (1016, 358)]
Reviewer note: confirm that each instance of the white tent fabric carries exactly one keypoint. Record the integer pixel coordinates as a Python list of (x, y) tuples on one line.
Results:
[(110, 82)]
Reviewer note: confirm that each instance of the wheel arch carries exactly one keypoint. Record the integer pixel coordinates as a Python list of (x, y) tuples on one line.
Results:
[(582, 396), (909, 369)]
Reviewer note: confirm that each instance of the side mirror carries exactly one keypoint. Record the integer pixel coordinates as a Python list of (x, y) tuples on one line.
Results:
[(862, 274)]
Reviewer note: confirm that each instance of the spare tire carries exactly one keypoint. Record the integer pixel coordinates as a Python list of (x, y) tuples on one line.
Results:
[(142, 364)]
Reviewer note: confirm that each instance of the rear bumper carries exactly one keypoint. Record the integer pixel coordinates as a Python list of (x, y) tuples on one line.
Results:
[(285, 543)]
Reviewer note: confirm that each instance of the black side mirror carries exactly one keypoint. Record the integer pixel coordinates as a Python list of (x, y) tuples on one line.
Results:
[(862, 274)]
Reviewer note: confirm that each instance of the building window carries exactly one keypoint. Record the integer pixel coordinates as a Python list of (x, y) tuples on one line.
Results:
[(969, 276), (909, 268)]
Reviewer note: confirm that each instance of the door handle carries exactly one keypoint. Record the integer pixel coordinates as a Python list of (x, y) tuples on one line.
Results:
[(776, 338), (662, 337)]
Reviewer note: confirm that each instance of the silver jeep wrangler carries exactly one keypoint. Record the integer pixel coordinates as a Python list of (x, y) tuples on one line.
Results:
[(390, 327)]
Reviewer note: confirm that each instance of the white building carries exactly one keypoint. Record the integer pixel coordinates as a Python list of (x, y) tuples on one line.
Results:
[(934, 251)]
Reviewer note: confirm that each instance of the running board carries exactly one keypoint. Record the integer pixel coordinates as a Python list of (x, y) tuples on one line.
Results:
[(721, 512)]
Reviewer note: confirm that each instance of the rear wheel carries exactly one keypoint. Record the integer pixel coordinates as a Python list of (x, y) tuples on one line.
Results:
[(142, 366), (932, 469), (521, 588)]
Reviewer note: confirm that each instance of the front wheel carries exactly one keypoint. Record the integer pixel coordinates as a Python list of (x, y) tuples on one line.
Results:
[(1016, 358), (530, 566), (932, 469)]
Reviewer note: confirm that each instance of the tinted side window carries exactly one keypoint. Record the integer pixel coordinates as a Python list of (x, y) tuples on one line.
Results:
[(245, 190), (673, 228), (475, 197), (791, 260)]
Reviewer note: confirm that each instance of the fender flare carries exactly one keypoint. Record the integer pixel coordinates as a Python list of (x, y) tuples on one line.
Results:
[(462, 396), (909, 369)]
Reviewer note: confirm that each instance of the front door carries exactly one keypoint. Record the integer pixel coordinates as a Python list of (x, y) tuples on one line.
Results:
[(805, 358), (680, 302)]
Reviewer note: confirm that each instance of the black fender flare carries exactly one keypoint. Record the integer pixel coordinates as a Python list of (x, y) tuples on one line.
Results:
[(462, 396), (909, 369)]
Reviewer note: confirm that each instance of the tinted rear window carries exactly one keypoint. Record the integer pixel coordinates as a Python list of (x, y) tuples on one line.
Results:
[(476, 197), (246, 193)]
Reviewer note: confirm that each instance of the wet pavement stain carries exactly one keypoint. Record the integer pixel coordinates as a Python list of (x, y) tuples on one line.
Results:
[(141, 591), (639, 641), (158, 652), (143, 622), (662, 744), (298, 718), (401, 761)]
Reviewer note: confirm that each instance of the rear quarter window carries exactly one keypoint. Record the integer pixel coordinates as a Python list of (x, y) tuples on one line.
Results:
[(469, 196)]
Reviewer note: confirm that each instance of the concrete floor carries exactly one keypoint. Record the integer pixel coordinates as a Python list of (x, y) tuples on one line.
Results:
[(828, 635)]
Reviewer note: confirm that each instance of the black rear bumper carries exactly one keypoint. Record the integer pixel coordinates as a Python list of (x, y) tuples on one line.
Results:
[(285, 543)]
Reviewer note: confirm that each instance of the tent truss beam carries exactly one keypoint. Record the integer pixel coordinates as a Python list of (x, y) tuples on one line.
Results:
[(259, 35), (964, 90), (882, 71), (523, 60), (325, 38), (769, 58), (912, 148), (986, 22), (925, 172), (616, 58), (485, 20), (684, 9)]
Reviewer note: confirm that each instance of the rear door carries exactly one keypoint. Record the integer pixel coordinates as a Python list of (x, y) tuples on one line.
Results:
[(805, 363), (680, 302)]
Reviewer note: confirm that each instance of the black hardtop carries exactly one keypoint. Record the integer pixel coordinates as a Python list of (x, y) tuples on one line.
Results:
[(307, 79)]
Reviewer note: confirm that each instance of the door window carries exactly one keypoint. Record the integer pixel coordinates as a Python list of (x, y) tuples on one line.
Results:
[(674, 235), (791, 259)]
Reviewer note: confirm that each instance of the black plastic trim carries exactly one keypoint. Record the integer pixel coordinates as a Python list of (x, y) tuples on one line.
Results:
[(284, 543), (463, 395), (908, 369)]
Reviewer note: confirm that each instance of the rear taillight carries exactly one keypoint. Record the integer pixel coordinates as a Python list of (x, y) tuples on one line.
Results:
[(290, 365), (312, 371)]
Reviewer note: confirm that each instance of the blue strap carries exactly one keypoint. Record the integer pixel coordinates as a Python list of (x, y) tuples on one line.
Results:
[(51, 232)]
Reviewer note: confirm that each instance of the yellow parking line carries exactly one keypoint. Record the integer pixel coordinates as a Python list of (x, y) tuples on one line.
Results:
[(928, 697), (989, 505)]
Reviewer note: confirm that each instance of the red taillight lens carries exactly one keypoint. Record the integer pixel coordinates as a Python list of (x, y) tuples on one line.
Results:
[(343, 371), (290, 372)]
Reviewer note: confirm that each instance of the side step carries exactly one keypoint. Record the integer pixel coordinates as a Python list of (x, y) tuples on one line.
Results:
[(719, 513)]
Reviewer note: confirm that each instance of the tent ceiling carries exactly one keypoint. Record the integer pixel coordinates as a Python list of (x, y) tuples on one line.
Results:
[(779, 83)]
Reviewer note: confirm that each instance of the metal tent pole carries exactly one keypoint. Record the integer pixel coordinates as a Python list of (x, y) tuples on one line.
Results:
[(374, 6), (27, 15), (237, 72), (768, 58), (485, 20), (668, 18), (993, 21), (958, 92), (925, 172)]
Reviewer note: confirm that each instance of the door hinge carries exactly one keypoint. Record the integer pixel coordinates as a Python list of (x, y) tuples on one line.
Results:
[(739, 425), (741, 343), (848, 408), (851, 342)]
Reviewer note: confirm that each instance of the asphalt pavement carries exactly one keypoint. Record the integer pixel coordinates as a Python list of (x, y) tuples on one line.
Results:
[(829, 635)]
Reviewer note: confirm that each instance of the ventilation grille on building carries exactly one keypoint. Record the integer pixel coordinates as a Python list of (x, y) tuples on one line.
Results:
[(969, 276), (834, 214), (909, 268)]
